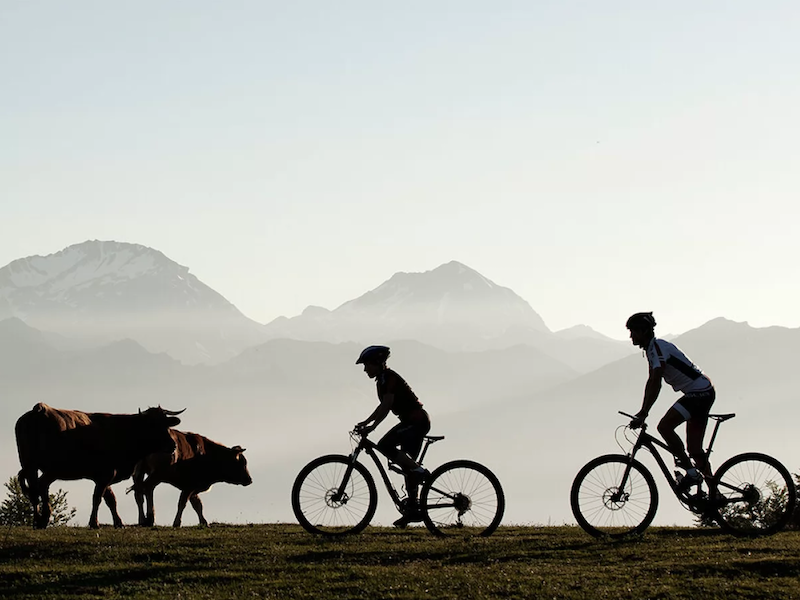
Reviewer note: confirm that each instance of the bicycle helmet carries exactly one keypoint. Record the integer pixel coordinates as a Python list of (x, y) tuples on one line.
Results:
[(641, 320), (373, 354)]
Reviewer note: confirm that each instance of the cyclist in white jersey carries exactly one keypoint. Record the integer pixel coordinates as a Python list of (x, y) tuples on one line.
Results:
[(667, 362)]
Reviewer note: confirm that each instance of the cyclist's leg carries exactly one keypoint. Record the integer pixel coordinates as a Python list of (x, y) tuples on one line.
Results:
[(402, 442), (667, 426), (389, 446), (698, 405), (411, 444), (695, 431), (399, 444)]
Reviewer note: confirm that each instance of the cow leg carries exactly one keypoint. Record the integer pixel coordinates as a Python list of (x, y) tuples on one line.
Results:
[(43, 489), (138, 495), (111, 502), (197, 505), (181, 506), (29, 484), (97, 495), (149, 486)]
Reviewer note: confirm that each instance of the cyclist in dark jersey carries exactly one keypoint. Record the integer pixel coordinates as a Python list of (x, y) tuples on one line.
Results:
[(402, 443), (667, 362)]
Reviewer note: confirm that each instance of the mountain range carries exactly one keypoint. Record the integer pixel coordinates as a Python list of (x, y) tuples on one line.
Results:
[(506, 391), (100, 291)]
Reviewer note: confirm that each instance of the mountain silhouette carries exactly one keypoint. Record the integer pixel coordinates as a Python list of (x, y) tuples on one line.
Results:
[(452, 307), (96, 292), (99, 291)]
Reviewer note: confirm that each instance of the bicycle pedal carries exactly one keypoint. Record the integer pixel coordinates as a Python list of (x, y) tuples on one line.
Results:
[(698, 500)]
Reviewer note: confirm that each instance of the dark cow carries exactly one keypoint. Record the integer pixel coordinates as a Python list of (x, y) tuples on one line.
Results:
[(71, 444), (198, 463)]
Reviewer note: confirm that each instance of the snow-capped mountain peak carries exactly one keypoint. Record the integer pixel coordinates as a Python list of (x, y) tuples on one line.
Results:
[(452, 283), (108, 290), (451, 306), (91, 261)]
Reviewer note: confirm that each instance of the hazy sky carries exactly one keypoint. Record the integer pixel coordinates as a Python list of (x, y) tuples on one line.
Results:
[(598, 158)]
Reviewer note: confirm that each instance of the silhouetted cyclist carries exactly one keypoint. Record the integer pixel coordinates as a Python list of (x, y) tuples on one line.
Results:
[(402, 443), (667, 362)]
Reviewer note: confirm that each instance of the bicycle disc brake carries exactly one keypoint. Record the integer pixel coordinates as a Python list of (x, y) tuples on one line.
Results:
[(335, 498), (615, 499)]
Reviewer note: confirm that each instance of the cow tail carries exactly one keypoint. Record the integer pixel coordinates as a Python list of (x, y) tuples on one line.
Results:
[(138, 480)]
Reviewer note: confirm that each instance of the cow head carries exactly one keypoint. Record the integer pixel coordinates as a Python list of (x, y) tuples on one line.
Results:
[(237, 472), (156, 424)]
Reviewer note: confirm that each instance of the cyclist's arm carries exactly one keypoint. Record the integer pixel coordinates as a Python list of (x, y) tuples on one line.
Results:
[(379, 414), (651, 390)]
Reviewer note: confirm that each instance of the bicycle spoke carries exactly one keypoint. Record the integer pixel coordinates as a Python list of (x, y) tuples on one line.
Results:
[(602, 507), (323, 505), (463, 497), (756, 495)]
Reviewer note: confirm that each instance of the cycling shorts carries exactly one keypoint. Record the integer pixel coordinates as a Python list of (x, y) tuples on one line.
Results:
[(696, 405), (407, 435)]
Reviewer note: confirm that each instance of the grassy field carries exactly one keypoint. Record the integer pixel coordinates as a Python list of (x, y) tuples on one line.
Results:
[(282, 561)]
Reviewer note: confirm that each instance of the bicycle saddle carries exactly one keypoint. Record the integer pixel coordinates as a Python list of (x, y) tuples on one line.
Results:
[(722, 418)]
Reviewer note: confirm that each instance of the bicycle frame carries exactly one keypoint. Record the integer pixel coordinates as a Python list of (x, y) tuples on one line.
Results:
[(645, 440), (371, 449)]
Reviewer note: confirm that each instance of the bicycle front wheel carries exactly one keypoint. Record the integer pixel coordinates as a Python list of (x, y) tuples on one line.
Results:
[(462, 497), (755, 495), (326, 504), (604, 507)]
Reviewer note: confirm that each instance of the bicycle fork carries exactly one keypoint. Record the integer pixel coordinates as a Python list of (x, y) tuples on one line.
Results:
[(620, 496), (340, 495)]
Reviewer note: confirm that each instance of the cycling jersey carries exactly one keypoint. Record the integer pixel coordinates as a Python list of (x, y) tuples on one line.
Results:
[(405, 402), (679, 371)]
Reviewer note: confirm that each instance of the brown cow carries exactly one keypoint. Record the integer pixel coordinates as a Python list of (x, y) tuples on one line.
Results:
[(198, 463), (71, 444)]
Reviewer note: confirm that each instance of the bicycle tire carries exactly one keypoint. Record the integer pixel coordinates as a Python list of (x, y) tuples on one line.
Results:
[(313, 500), (596, 509), (758, 495), (463, 498)]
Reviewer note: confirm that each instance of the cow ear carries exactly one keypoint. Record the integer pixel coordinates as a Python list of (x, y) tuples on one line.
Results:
[(238, 449)]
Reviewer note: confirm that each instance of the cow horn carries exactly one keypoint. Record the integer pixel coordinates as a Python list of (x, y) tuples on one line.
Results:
[(172, 413)]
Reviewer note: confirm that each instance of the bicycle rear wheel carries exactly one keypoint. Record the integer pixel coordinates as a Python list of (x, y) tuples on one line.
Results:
[(462, 497), (755, 495), (603, 507), (322, 505)]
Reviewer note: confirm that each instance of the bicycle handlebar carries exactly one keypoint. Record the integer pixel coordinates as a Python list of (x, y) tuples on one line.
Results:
[(624, 414)]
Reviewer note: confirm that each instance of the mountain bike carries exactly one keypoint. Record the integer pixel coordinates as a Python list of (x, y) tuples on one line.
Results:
[(336, 494), (615, 495)]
